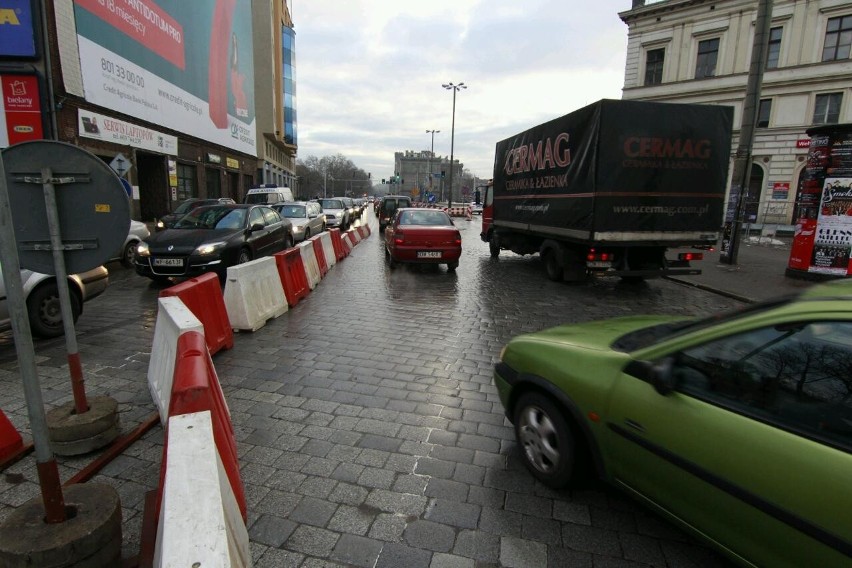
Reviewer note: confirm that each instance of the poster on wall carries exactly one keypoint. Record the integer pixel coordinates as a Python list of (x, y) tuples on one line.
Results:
[(101, 127), (184, 65), (18, 37), (20, 109)]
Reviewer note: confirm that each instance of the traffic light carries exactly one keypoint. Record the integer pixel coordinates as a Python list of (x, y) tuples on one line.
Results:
[(383, 180)]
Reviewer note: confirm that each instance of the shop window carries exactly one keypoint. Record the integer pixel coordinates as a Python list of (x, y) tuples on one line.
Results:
[(187, 182)]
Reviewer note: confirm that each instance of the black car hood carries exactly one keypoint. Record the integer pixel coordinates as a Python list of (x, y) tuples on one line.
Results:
[(187, 240)]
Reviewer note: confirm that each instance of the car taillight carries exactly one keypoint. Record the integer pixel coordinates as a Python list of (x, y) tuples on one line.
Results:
[(594, 256), (458, 239), (691, 256), (399, 238)]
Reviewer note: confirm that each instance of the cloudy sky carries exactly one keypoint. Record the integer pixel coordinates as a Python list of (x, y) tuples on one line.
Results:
[(369, 73)]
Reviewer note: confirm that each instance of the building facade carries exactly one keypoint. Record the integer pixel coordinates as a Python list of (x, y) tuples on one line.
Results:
[(424, 171), (275, 93), (697, 51), (167, 91)]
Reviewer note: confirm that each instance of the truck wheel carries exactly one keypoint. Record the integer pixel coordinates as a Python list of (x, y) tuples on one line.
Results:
[(551, 264), (45, 310), (494, 245)]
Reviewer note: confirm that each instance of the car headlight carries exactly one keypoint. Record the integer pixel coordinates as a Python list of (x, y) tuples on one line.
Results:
[(161, 225), (209, 248), (142, 249)]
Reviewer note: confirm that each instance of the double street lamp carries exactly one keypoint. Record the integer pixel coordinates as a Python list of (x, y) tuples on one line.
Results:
[(432, 132), (455, 89)]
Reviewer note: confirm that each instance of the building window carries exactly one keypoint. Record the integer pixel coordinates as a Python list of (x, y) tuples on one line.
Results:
[(838, 38), (187, 186), (708, 53), (654, 66), (774, 48), (763, 111), (214, 183), (827, 108)]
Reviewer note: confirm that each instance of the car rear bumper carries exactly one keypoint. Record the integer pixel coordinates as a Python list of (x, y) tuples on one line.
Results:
[(406, 254)]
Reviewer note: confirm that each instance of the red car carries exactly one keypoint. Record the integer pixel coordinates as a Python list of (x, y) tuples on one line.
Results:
[(422, 236)]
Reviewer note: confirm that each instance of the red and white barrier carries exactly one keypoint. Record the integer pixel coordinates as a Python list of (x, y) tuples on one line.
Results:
[(254, 294), (354, 236), (328, 248), (11, 442), (203, 297), (319, 254), (309, 259), (459, 212), (348, 241), (173, 320), (200, 522), (291, 270)]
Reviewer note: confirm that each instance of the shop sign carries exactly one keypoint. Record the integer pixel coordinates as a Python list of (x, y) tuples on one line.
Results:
[(232, 163), (118, 131), (780, 190), (803, 143), (20, 109), (214, 158)]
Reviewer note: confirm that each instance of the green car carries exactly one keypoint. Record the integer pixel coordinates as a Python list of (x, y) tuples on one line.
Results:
[(737, 427)]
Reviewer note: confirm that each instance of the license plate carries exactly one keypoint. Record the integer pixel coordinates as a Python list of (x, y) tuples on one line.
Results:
[(168, 262), (599, 264), (429, 254)]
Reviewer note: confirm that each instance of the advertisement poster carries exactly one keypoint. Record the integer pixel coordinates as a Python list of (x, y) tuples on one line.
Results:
[(20, 109), (102, 127), (833, 238), (184, 65), (17, 38)]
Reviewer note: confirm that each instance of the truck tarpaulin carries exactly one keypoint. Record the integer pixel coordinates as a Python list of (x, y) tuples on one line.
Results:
[(618, 166)]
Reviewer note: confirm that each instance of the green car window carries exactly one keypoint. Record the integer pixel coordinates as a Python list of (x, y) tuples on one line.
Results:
[(797, 377)]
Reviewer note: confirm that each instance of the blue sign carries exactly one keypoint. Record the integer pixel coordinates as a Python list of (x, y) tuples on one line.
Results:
[(17, 32), (127, 187)]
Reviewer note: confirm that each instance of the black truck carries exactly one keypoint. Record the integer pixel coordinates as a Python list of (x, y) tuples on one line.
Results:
[(610, 187)]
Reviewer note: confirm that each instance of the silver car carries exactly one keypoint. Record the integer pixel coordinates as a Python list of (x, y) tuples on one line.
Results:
[(336, 212), (307, 217), (42, 297), (127, 255)]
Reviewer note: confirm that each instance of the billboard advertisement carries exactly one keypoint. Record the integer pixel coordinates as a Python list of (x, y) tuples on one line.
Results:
[(20, 109), (184, 65), (102, 127), (17, 34)]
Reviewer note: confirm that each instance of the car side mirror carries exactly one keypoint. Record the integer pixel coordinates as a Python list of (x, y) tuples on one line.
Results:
[(256, 227), (660, 374)]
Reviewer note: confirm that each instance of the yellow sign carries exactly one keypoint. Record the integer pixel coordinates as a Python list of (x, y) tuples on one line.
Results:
[(102, 208), (232, 163)]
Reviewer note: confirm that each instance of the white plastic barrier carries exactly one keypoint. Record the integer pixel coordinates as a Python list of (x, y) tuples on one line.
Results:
[(355, 236), (309, 259), (254, 294), (173, 319), (200, 522), (328, 249)]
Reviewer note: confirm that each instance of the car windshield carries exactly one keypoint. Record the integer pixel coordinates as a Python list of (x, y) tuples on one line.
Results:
[(645, 337), (213, 218), (293, 211), (424, 218), (185, 207), (331, 203)]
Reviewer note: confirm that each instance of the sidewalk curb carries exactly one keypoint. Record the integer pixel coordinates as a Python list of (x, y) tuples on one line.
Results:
[(706, 288)]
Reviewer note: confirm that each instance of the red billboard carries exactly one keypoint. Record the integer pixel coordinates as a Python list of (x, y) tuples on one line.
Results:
[(21, 109)]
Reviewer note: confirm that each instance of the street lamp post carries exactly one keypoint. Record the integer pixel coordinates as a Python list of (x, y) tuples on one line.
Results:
[(455, 89), (432, 132)]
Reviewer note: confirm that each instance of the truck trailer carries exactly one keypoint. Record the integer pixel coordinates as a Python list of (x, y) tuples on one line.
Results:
[(610, 187)]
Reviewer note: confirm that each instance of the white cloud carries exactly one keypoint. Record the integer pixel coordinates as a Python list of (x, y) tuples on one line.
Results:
[(369, 73)]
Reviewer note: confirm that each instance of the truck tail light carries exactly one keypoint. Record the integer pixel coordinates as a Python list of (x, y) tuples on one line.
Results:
[(691, 256), (594, 256)]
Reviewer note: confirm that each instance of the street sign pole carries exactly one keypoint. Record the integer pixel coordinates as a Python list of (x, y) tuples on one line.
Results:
[(48, 471)]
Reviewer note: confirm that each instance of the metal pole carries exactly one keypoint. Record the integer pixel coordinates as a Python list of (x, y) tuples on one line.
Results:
[(81, 405), (48, 472), (452, 142), (742, 159)]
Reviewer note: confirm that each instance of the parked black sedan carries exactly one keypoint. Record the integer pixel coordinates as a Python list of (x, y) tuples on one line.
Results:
[(212, 238)]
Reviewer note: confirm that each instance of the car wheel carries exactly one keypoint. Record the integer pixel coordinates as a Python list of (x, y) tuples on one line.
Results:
[(45, 310), (451, 266), (546, 441), (307, 233), (245, 255), (128, 257), (391, 262), (494, 245)]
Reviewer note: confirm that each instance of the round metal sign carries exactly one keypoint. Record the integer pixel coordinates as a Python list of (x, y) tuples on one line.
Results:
[(91, 204)]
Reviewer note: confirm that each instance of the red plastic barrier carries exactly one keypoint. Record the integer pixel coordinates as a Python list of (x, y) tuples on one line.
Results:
[(340, 250), (203, 297), (291, 270), (10, 439), (196, 389), (363, 231), (319, 252)]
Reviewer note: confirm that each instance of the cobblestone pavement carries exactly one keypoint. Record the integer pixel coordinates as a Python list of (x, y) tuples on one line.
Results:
[(368, 427)]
